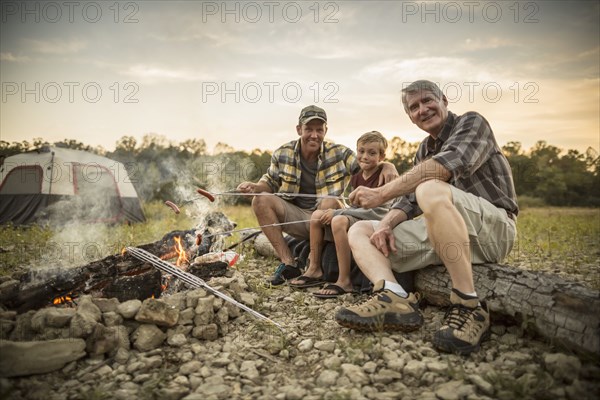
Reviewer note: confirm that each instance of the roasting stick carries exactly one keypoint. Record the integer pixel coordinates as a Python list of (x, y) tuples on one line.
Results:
[(192, 280), (255, 227), (211, 195)]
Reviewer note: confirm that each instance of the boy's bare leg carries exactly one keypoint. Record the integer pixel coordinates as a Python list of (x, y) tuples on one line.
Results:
[(339, 227), (314, 269)]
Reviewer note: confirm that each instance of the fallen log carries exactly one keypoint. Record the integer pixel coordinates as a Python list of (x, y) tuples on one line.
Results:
[(561, 311)]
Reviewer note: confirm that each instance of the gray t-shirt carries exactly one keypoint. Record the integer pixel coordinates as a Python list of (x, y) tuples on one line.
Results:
[(307, 184)]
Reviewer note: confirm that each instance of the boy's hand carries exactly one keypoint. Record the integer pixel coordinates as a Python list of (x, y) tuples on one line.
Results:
[(326, 217)]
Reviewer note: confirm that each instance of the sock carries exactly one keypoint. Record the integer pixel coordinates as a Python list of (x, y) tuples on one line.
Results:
[(466, 296), (396, 288)]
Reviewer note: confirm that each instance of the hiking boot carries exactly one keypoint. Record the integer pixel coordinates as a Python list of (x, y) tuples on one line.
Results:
[(283, 273), (466, 325), (385, 310)]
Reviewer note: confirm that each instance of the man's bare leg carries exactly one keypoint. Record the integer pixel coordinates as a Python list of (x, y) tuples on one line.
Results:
[(447, 232), (269, 210), (371, 261)]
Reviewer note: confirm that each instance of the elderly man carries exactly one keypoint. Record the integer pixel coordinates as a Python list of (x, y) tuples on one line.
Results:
[(462, 192), (309, 173)]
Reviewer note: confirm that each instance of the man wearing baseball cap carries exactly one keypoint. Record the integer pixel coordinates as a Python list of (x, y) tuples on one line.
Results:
[(308, 165)]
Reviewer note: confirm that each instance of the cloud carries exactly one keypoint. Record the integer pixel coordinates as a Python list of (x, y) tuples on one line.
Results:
[(59, 47), (10, 57), (440, 69), (154, 74), (486, 44)]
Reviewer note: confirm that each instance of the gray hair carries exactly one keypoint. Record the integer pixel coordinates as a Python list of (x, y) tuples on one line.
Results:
[(418, 86)]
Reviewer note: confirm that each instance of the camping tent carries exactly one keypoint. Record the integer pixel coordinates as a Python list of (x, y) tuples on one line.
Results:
[(59, 184)]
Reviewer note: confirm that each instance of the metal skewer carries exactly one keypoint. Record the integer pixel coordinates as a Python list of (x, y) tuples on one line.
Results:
[(192, 280)]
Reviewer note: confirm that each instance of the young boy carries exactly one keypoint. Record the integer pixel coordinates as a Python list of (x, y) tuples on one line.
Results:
[(371, 149)]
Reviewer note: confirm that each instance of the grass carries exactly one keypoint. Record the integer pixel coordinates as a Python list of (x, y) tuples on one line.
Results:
[(563, 240)]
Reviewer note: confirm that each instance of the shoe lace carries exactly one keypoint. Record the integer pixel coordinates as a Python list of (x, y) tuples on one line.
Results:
[(457, 316), (373, 302)]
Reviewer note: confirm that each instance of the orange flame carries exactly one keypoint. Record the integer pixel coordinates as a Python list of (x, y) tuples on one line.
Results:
[(182, 256), (62, 299)]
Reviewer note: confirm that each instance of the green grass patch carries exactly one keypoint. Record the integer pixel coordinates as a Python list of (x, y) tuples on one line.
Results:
[(560, 239)]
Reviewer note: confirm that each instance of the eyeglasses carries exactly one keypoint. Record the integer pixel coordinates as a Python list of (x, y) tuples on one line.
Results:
[(313, 114)]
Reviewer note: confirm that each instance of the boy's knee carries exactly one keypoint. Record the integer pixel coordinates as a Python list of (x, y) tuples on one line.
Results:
[(339, 222)]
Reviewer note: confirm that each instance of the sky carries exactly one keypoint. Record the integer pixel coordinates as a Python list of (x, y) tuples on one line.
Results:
[(239, 72)]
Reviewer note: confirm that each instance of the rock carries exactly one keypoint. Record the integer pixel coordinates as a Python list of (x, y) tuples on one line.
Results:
[(332, 362), (129, 309), (85, 305), (327, 378), (204, 311), (454, 390), (82, 324), (369, 367), (154, 311), (247, 298), (386, 376), (190, 367), (305, 345), (27, 358), (206, 332), (325, 345), (177, 300), (191, 297), (292, 392), (414, 368), (397, 364), (111, 318), (121, 356), (437, 367), (248, 370), (102, 340), (51, 317), (355, 374), (177, 340), (222, 316), (106, 305), (148, 337), (186, 317), (562, 367), (481, 384)]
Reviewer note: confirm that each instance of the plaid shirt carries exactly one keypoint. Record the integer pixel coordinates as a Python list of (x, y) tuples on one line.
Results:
[(336, 163), (467, 148)]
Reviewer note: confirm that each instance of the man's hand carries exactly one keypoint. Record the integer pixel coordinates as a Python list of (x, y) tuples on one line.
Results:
[(383, 239), (388, 173), (251, 187), (247, 187), (366, 197)]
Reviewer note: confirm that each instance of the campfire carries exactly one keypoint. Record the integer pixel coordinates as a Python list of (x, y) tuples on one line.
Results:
[(122, 276)]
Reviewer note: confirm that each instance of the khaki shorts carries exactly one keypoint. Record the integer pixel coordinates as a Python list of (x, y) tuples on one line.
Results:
[(491, 234), (295, 213)]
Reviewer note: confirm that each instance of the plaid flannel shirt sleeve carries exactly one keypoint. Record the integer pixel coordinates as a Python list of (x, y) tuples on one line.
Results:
[(271, 177)]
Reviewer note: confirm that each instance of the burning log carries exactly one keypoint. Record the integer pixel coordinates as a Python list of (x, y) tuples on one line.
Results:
[(120, 276)]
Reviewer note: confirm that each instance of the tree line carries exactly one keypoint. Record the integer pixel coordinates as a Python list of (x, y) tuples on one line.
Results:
[(162, 169)]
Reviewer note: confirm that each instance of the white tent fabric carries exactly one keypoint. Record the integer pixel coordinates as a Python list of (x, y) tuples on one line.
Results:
[(61, 184)]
